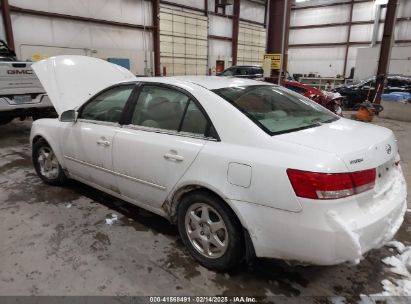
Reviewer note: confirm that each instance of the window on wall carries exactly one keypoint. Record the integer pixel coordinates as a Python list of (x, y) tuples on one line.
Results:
[(168, 109), (218, 7)]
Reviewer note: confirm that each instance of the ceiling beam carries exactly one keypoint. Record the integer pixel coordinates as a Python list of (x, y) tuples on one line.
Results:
[(15, 9), (328, 4), (335, 24), (334, 44)]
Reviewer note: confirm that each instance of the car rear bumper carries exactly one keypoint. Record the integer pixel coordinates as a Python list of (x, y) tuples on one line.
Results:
[(40, 105), (327, 232)]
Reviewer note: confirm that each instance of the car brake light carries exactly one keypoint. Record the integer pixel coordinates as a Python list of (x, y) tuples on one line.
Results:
[(330, 185)]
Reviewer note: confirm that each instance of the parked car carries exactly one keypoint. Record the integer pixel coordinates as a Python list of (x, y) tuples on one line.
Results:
[(365, 89), (331, 101), (245, 168), (21, 94), (244, 71), (6, 54)]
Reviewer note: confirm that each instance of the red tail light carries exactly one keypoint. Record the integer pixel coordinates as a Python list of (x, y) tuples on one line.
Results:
[(330, 185)]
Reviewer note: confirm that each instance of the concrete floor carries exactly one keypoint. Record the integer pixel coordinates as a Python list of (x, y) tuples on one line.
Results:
[(55, 241)]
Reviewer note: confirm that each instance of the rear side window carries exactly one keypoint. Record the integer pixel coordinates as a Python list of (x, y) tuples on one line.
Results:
[(168, 109), (258, 71), (194, 121), (107, 106)]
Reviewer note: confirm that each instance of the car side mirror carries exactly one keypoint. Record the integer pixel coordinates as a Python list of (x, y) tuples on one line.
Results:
[(69, 116)]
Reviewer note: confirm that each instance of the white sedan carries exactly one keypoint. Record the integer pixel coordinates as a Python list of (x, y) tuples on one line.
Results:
[(244, 168)]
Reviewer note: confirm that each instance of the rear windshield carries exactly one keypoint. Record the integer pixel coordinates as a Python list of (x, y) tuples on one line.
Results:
[(276, 109)]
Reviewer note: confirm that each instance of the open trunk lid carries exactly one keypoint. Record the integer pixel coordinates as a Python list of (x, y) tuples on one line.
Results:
[(71, 80)]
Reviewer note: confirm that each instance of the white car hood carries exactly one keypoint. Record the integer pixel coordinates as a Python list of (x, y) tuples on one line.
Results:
[(359, 145), (71, 80)]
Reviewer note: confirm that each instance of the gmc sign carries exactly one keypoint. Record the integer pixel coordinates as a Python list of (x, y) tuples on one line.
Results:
[(20, 72)]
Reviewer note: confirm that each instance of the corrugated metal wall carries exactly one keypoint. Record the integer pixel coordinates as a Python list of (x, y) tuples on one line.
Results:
[(251, 43), (329, 61), (182, 49), (183, 42), (38, 37)]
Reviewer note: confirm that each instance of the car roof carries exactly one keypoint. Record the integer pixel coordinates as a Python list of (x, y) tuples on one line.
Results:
[(215, 82), (246, 66)]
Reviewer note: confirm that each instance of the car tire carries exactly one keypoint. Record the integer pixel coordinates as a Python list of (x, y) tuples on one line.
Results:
[(214, 237), (46, 164)]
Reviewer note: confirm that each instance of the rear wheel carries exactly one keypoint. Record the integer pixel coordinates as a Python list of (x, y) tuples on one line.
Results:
[(210, 231), (46, 164)]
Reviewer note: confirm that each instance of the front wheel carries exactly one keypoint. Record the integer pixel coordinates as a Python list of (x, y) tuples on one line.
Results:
[(46, 164), (210, 231)]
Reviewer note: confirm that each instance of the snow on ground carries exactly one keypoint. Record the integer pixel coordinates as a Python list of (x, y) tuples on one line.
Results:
[(8, 155), (398, 284), (112, 219)]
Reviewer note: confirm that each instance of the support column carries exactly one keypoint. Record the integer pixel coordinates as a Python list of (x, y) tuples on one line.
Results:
[(385, 51), (277, 33), (5, 11), (156, 36), (284, 62), (236, 24), (347, 46)]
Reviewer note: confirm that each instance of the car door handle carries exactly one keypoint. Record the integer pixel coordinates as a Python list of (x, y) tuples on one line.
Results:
[(102, 142), (175, 157)]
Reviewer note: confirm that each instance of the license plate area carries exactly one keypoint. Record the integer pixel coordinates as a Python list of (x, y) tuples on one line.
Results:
[(22, 99), (385, 173)]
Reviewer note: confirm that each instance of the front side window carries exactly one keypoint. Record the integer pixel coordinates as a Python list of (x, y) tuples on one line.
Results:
[(244, 71), (107, 106), (275, 109), (228, 72), (168, 109)]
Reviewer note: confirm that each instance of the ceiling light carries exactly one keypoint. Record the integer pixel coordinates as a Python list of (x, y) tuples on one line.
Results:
[(380, 2)]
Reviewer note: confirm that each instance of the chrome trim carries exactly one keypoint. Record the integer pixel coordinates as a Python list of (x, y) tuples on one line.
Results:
[(99, 122), (168, 132), (116, 173)]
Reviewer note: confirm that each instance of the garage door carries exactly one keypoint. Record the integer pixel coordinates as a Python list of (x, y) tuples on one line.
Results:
[(183, 42), (251, 43)]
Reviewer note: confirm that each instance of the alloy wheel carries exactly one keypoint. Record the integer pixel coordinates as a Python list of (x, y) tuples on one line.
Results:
[(48, 164), (206, 230)]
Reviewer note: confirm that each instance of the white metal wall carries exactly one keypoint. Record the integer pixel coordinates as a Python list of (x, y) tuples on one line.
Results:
[(183, 42), (329, 61), (367, 61), (219, 49), (39, 37), (252, 11)]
